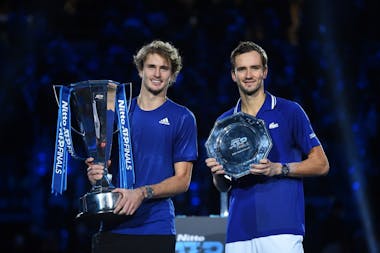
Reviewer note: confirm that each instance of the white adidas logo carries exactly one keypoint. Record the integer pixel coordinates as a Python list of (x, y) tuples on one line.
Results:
[(164, 121)]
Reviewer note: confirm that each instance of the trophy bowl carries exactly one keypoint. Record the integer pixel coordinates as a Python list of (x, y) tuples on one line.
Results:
[(93, 104), (238, 141)]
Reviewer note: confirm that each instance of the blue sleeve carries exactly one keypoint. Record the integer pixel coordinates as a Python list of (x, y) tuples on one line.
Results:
[(186, 148), (304, 134)]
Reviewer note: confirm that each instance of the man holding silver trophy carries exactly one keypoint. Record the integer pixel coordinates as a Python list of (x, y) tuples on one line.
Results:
[(259, 151), (164, 143)]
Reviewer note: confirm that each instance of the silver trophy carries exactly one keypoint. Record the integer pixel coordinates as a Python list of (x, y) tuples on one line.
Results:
[(93, 104), (238, 141)]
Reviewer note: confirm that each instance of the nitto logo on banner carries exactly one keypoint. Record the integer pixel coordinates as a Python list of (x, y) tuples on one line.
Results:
[(197, 244), (192, 238)]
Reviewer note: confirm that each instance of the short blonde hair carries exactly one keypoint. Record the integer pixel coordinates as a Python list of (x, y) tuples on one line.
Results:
[(166, 50)]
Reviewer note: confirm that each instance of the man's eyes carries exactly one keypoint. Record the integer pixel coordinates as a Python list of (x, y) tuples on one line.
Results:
[(161, 68)]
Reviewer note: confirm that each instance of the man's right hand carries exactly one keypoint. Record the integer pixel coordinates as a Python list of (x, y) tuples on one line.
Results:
[(215, 167), (94, 171)]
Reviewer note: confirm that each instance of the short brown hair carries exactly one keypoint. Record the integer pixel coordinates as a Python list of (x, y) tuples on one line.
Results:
[(245, 47)]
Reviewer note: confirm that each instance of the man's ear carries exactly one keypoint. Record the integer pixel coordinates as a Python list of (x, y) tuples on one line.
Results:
[(265, 74), (233, 75)]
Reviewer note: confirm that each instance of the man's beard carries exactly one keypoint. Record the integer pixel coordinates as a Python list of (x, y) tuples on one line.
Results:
[(151, 90), (249, 92), (156, 92)]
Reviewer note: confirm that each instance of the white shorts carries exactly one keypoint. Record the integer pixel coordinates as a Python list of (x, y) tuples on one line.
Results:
[(286, 243)]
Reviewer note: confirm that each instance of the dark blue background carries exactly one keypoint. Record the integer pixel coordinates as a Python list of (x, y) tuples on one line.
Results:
[(323, 54)]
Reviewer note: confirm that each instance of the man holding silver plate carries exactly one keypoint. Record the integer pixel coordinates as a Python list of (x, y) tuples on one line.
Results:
[(259, 151)]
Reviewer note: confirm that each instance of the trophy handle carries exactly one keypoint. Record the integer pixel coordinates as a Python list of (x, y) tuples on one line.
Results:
[(57, 101), (129, 101)]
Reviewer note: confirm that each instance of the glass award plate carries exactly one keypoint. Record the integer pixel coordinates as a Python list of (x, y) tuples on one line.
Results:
[(238, 141)]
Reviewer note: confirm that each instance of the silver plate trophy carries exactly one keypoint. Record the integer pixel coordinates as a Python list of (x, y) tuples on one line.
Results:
[(238, 141), (93, 105)]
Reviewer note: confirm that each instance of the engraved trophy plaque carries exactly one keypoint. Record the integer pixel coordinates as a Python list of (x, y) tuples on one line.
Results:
[(238, 141), (95, 105)]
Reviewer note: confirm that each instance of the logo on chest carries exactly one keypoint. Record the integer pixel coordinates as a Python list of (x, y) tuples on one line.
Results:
[(273, 125), (164, 121)]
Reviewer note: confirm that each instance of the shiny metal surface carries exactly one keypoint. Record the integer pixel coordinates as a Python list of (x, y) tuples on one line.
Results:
[(97, 203), (238, 141), (93, 103)]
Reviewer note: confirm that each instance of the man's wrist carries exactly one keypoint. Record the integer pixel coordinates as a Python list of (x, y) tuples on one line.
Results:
[(285, 169), (148, 192)]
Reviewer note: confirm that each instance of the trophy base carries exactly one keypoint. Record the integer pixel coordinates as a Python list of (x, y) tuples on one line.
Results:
[(98, 205)]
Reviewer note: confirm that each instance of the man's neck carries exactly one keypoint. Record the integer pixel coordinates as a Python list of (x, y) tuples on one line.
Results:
[(148, 102), (251, 104)]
